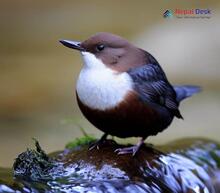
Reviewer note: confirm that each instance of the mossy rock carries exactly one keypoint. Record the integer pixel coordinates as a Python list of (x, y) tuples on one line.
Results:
[(189, 168)]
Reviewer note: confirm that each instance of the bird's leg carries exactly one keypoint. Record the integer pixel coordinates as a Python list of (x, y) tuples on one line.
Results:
[(99, 142), (131, 150)]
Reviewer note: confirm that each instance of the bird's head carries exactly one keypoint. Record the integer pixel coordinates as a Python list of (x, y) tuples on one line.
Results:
[(107, 50)]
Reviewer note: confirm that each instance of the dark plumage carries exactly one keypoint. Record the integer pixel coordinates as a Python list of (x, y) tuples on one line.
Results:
[(150, 103)]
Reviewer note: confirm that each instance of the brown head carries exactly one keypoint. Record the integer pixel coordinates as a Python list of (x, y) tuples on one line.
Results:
[(114, 51)]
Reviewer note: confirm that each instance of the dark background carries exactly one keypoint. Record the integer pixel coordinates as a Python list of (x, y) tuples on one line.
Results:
[(38, 75)]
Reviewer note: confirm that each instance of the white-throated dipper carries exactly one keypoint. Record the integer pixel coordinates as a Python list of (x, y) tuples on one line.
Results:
[(123, 91)]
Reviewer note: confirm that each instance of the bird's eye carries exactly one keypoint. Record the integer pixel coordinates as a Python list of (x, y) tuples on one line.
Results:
[(100, 47)]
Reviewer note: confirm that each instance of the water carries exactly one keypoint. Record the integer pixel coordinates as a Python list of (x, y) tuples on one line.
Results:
[(194, 167)]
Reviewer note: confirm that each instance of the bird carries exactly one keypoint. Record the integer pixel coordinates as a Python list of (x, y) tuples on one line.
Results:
[(123, 91)]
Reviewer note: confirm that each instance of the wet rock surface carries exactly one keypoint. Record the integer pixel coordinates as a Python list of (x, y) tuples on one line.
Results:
[(183, 166)]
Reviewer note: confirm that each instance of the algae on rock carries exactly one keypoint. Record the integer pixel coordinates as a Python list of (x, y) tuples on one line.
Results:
[(189, 168)]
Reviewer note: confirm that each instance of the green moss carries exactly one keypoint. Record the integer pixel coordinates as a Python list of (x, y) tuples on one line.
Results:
[(85, 140)]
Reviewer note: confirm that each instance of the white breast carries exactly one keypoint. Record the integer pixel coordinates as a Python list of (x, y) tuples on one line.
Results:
[(99, 87)]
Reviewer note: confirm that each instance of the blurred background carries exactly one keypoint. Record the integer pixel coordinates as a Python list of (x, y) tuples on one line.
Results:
[(38, 75)]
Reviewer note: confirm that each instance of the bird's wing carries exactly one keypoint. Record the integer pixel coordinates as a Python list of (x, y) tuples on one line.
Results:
[(152, 86)]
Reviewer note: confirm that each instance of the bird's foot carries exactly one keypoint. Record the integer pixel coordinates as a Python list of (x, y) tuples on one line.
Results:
[(127, 150), (98, 143), (130, 150)]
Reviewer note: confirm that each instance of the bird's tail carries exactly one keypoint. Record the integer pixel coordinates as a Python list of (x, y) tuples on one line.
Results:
[(185, 91)]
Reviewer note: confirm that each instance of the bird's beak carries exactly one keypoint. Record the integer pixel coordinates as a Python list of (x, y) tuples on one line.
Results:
[(72, 44)]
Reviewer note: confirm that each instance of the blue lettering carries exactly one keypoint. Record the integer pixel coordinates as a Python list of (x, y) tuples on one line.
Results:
[(197, 11), (202, 11)]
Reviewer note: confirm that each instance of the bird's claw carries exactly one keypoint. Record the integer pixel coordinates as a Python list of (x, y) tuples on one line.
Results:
[(128, 150), (95, 145), (98, 143), (131, 150)]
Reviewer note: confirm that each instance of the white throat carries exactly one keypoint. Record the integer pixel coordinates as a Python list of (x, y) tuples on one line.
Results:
[(99, 87)]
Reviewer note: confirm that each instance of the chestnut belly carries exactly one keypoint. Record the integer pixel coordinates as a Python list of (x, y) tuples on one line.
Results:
[(130, 118)]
